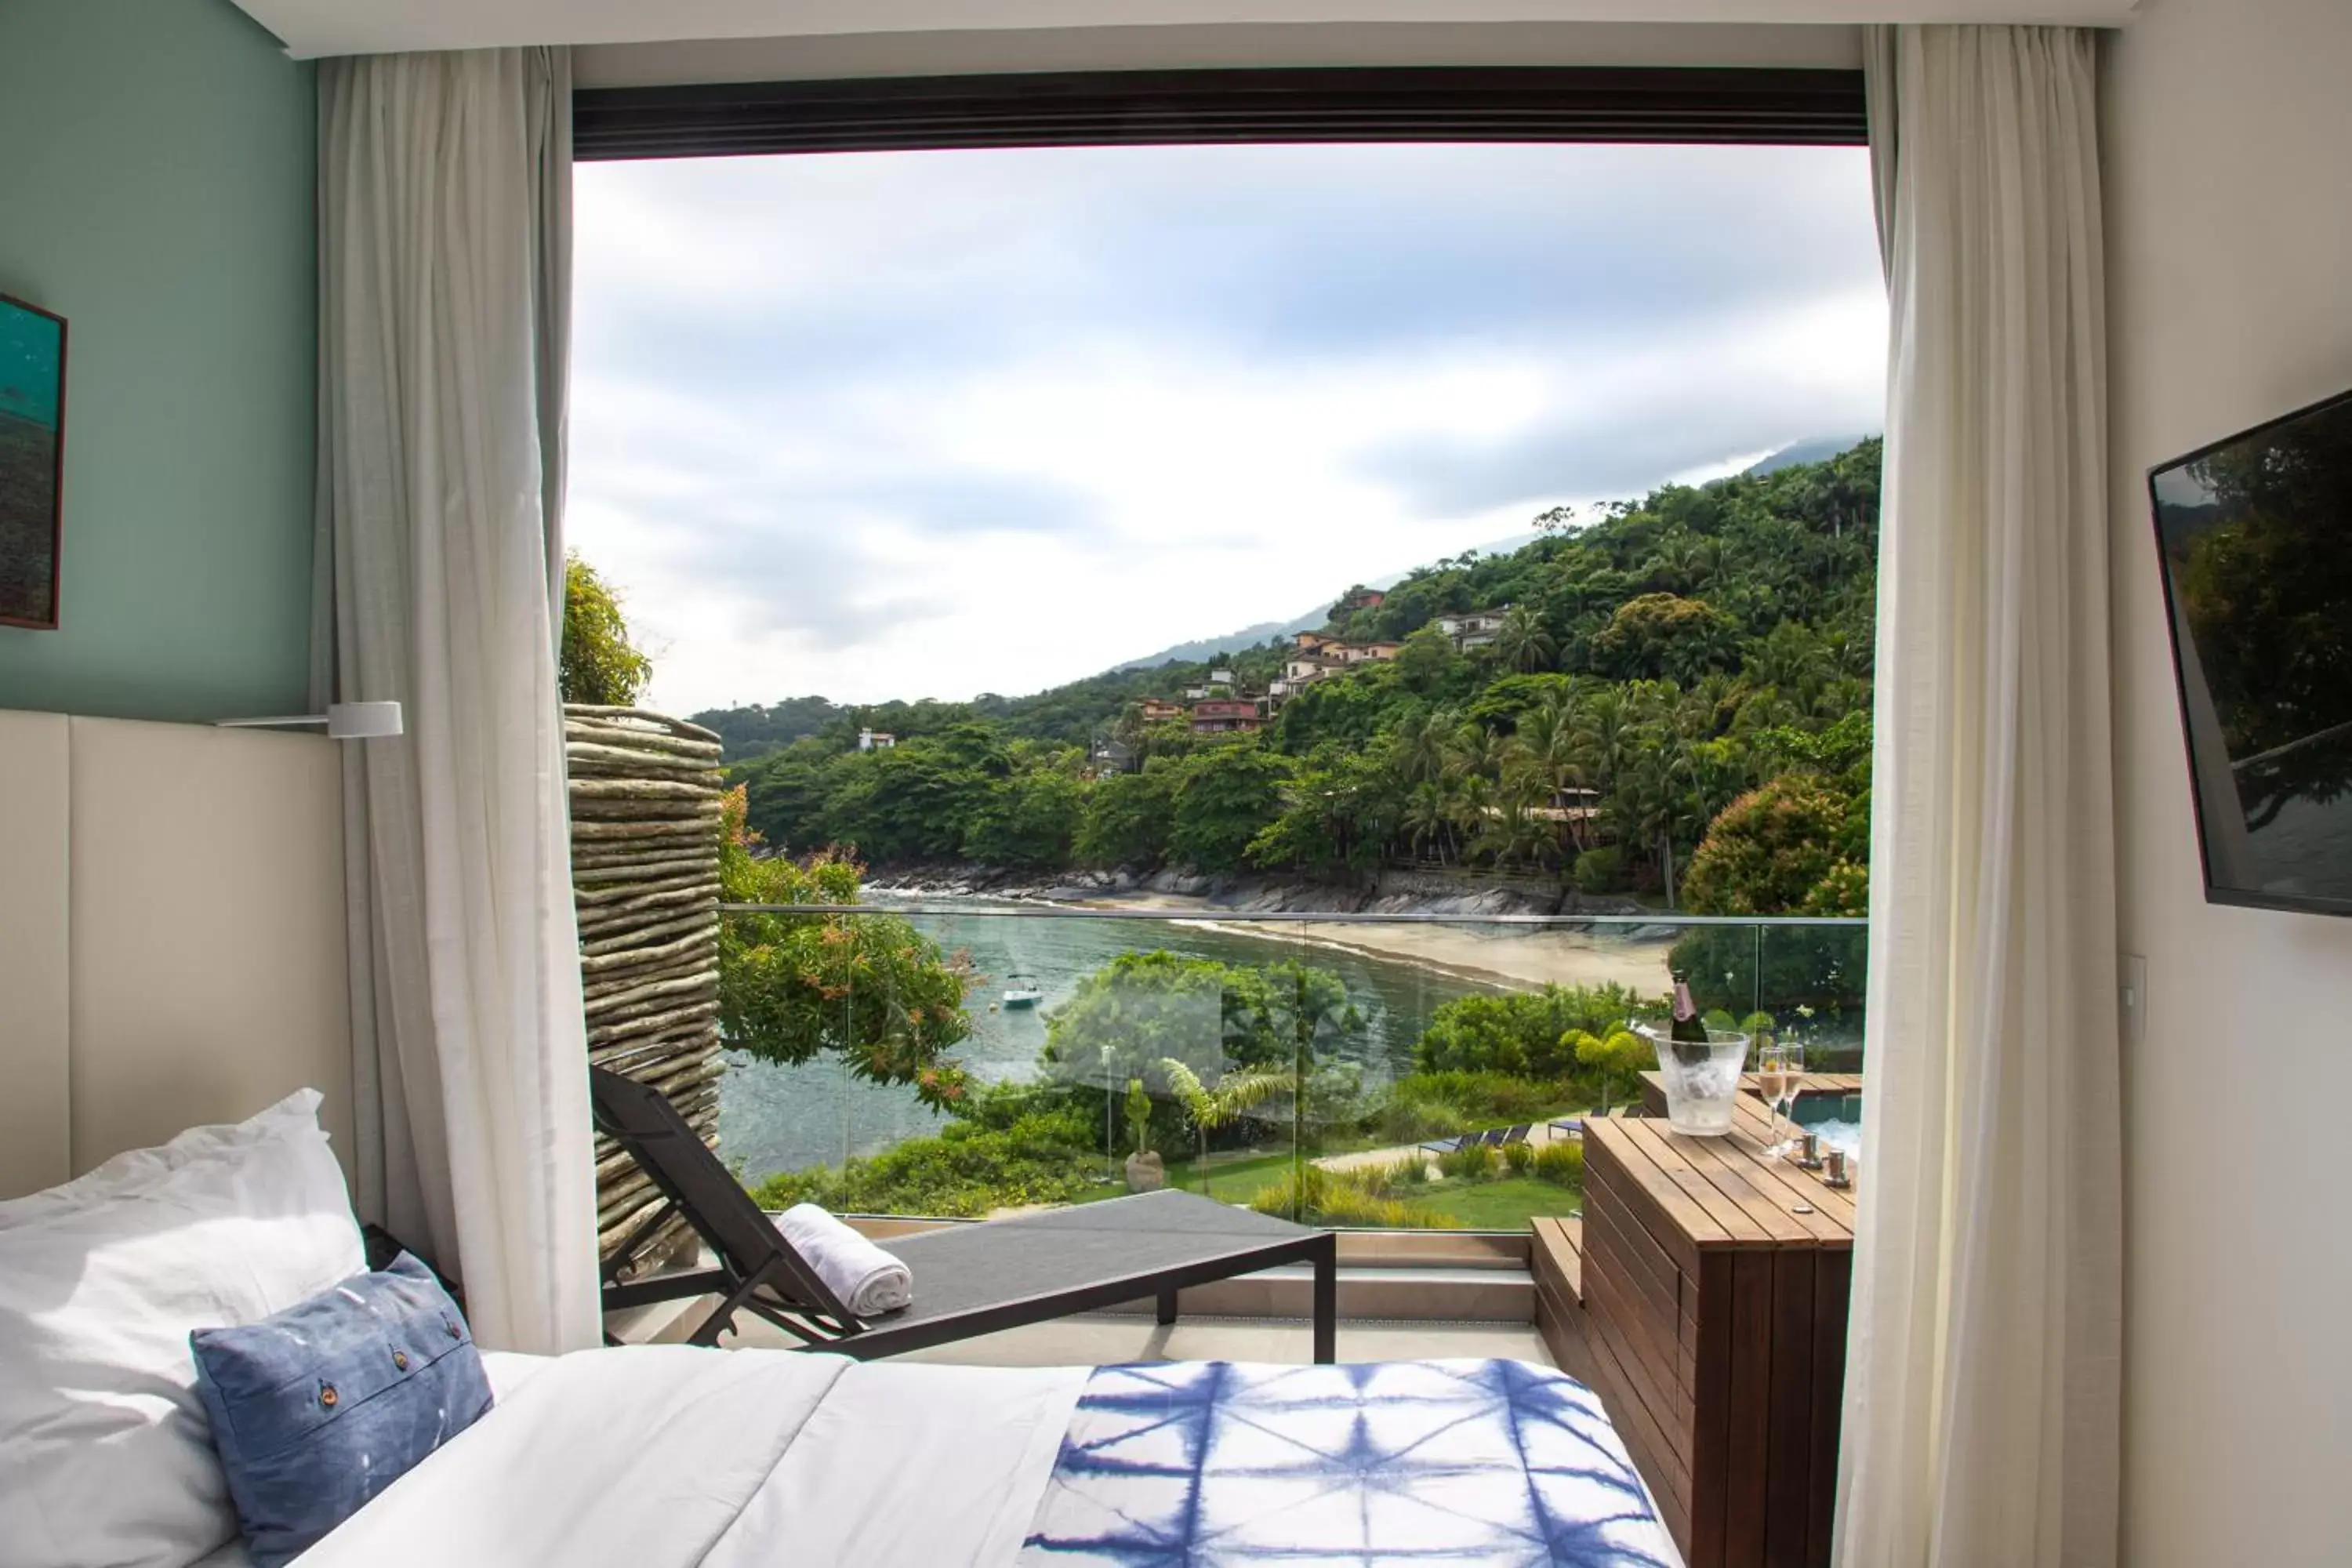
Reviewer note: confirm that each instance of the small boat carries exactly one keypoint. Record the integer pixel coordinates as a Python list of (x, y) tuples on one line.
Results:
[(1022, 991)]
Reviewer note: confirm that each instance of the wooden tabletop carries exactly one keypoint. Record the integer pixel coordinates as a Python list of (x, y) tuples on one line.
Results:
[(1723, 1192)]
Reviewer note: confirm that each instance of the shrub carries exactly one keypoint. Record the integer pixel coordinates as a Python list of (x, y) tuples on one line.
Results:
[(1561, 1163), (1472, 1162), (1411, 1172), (1039, 1156), (1426, 1105), (1768, 850), (1518, 1157), (1520, 1034), (1314, 1196), (1600, 871)]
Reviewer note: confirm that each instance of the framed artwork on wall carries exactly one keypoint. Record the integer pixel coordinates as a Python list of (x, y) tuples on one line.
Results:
[(32, 461)]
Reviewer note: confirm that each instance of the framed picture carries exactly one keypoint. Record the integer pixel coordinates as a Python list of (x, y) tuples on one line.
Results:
[(32, 461)]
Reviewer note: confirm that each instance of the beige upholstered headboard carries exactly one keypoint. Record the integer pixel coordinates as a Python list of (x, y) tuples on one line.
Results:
[(171, 936)]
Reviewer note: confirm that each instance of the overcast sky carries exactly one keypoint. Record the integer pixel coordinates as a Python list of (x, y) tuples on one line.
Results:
[(933, 424)]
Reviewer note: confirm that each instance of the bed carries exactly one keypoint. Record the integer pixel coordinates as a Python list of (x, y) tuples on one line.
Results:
[(662, 1457), (127, 1419)]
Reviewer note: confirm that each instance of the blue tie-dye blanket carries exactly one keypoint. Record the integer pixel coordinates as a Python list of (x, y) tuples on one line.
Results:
[(1210, 1463)]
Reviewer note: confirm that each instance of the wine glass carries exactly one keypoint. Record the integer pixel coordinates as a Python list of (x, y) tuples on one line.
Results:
[(1772, 1082), (1792, 1078)]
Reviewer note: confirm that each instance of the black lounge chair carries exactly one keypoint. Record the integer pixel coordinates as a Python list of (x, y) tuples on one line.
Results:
[(1498, 1137), (1518, 1134), (1448, 1145), (969, 1279), (1570, 1126)]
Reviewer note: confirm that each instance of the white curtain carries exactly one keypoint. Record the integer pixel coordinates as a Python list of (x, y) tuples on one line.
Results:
[(1982, 1387), (444, 258)]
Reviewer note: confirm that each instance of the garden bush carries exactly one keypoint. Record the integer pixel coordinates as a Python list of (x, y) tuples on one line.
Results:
[(1426, 1105), (1561, 1163), (1471, 1161), (1313, 1196), (1600, 871), (1041, 1156), (1518, 1157), (1520, 1034)]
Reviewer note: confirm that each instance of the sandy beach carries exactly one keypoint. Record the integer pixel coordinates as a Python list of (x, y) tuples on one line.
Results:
[(1515, 957)]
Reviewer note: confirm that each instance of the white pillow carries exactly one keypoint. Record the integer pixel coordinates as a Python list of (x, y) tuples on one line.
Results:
[(103, 1442)]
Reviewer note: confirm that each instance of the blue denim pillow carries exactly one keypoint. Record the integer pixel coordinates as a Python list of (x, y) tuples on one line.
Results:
[(319, 1409)]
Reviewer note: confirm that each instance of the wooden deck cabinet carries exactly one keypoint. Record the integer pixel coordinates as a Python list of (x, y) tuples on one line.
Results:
[(1703, 1295)]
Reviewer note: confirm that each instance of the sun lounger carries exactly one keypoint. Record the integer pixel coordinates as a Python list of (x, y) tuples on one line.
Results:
[(969, 1278)]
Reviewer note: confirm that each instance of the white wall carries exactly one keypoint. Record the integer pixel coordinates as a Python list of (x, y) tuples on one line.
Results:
[(2229, 191)]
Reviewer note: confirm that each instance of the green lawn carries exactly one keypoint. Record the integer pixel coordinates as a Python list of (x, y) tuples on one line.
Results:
[(1503, 1202), (1507, 1203)]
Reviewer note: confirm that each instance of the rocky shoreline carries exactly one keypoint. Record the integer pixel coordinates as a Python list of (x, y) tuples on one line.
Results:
[(1388, 892)]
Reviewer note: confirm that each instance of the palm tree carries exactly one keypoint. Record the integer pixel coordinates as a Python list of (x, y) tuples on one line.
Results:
[(1427, 818), (1420, 744), (1467, 804), (1521, 641)]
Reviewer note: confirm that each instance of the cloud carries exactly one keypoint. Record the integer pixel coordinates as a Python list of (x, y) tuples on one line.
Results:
[(931, 423)]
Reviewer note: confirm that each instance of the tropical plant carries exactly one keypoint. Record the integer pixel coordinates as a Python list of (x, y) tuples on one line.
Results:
[(868, 990), (597, 662)]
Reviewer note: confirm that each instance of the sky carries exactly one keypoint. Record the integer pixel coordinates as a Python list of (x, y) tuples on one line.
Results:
[(914, 424)]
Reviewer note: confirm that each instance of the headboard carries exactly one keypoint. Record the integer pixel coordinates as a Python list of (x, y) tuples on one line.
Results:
[(171, 936)]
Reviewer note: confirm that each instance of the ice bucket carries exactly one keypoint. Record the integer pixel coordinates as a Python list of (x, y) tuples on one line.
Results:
[(1702, 1082)]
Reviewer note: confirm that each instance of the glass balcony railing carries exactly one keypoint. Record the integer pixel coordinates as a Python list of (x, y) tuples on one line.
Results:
[(969, 1059)]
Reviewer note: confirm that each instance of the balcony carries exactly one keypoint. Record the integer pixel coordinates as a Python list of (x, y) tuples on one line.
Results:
[(1408, 1076)]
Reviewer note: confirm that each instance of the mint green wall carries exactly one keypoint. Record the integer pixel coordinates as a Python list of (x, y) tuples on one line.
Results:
[(156, 163)]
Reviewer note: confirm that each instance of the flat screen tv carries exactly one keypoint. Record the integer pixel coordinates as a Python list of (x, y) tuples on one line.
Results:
[(2255, 535)]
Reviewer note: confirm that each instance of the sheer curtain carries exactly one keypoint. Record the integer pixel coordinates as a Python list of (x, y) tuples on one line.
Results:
[(1982, 1384), (444, 257), (1984, 1359)]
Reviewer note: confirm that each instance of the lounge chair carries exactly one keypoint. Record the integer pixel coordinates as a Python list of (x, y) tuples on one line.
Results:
[(1570, 1126), (1448, 1145), (1498, 1137), (969, 1279), (1518, 1134)]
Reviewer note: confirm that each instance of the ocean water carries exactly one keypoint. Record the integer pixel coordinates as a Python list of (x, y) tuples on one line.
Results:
[(774, 1118)]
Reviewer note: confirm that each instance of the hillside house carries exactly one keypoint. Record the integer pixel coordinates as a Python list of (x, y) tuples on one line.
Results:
[(1477, 630), (875, 740), (1156, 711), (1361, 599), (1226, 716), (1308, 642)]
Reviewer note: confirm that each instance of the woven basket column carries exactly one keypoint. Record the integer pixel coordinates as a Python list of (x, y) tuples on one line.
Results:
[(646, 795)]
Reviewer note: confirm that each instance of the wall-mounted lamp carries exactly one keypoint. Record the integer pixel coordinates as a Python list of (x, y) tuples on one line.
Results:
[(343, 721)]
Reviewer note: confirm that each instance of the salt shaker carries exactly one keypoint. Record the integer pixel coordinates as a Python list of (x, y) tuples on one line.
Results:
[(1836, 1177), (1808, 1154)]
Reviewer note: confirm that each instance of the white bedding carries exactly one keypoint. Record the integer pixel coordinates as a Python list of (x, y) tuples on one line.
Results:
[(670, 1457)]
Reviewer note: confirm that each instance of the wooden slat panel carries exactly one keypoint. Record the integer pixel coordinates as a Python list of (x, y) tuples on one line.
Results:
[(1789, 1182), (1668, 1478), (1789, 1453), (1738, 1230), (1711, 1414), (1649, 1272), (1748, 1425), (1745, 1179), (1649, 1376), (1832, 1283), (1629, 1155)]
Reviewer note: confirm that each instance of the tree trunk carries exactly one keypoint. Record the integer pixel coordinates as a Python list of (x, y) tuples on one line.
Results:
[(1666, 861)]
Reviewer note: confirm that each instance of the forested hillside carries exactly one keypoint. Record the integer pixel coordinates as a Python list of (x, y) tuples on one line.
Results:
[(1693, 666)]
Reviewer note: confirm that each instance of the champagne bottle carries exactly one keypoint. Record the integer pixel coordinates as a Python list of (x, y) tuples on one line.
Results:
[(1687, 1030)]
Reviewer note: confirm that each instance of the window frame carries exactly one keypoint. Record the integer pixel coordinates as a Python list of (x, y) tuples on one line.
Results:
[(1709, 105)]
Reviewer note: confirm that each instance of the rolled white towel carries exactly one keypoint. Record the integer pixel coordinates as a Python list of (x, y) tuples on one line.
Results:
[(869, 1281)]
